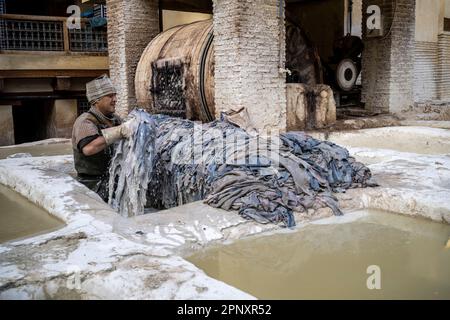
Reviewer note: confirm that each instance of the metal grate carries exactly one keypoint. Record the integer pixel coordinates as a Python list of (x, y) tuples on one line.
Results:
[(83, 106), (33, 35), (88, 39), (168, 88), (2, 26), (2, 35)]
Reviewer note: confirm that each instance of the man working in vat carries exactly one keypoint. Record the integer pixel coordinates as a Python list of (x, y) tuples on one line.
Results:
[(94, 133)]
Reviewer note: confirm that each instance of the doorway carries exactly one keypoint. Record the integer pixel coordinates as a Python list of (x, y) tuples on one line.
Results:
[(32, 120)]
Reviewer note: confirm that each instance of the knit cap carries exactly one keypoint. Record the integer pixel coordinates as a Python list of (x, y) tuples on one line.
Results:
[(99, 87)]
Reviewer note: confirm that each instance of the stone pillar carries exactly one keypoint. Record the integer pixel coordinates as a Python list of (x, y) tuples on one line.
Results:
[(249, 42), (6, 126), (388, 61), (132, 24), (63, 117)]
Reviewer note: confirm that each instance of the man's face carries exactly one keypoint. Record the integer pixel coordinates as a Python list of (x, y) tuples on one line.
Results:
[(107, 104)]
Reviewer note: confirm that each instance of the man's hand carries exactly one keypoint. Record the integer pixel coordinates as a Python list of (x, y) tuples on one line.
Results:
[(125, 130)]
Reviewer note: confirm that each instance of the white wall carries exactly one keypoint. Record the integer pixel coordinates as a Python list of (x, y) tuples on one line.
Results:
[(428, 20), (356, 17), (174, 18)]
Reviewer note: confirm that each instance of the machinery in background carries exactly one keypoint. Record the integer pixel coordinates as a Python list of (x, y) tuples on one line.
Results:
[(343, 69), (302, 57), (175, 74), (340, 71)]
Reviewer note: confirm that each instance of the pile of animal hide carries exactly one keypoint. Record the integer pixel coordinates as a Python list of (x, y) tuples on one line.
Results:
[(170, 161)]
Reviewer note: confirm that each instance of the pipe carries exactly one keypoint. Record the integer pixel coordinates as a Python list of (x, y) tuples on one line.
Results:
[(350, 18)]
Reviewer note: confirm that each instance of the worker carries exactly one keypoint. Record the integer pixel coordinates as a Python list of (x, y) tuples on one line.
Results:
[(94, 134)]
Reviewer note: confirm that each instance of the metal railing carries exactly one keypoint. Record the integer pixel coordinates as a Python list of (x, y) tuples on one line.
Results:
[(88, 39), (82, 106), (43, 33)]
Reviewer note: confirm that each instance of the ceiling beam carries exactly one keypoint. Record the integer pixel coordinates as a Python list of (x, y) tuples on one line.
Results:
[(202, 6)]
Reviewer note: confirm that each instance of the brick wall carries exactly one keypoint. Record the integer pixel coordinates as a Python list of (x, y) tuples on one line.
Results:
[(247, 37), (425, 71), (132, 24), (388, 63), (402, 56), (443, 81)]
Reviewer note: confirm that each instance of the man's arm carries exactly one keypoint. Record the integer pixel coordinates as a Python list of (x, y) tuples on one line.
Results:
[(109, 136), (95, 146)]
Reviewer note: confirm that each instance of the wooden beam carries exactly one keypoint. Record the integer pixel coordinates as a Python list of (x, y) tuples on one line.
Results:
[(16, 97), (35, 18), (62, 83), (54, 53), (11, 102), (51, 73), (201, 6), (66, 38)]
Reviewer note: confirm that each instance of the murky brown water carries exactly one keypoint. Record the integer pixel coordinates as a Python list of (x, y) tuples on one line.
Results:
[(55, 149), (331, 261), (20, 218)]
